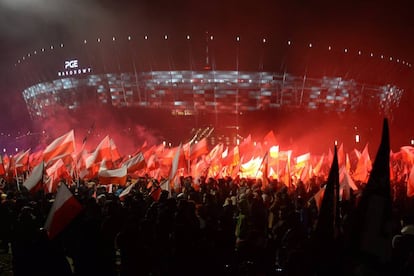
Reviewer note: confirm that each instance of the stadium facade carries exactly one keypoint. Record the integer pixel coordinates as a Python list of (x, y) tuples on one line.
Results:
[(203, 74)]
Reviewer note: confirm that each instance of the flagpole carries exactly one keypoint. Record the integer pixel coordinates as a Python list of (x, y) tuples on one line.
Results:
[(17, 178)]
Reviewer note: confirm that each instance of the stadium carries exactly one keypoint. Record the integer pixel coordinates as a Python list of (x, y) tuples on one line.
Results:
[(236, 85)]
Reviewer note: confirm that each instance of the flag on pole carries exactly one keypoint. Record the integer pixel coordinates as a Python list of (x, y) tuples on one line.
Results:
[(64, 209), (102, 152), (35, 180), (55, 173), (135, 163), (60, 147), (116, 176), (126, 191), (198, 149), (363, 166)]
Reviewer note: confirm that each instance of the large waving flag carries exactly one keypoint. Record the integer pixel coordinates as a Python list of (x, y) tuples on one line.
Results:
[(135, 163), (60, 147), (116, 176), (102, 152), (35, 180), (64, 209), (198, 149), (372, 228), (21, 161), (55, 173), (363, 166), (269, 140)]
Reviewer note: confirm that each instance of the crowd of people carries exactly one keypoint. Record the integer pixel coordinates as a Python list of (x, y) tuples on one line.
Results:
[(221, 226)]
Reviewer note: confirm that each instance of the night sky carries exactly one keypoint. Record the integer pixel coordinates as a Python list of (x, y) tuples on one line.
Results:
[(382, 26)]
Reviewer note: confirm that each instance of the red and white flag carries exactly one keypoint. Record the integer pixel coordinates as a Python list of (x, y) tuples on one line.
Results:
[(126, 191), (102, 152), (55, 173), (35, 180), (117, 176), (60, 147), (21, 161), (135, 163), (64, 209)]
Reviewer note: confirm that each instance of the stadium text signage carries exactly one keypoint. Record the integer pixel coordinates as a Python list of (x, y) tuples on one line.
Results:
[(72, 68)]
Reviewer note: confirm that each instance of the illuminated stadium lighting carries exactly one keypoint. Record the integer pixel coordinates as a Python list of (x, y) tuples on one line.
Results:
[(357, 138), (390, 58), (113, 38), (382, 56), (61, 45), (23, 58), (99, 40), (18, 61), (43, 49), (346, 50), (372, 54), (51, 47), (84, 42), (412, 142), (146, 37), (255, 90), (28, 55), (398, 60), (403, 62), (165, 37)]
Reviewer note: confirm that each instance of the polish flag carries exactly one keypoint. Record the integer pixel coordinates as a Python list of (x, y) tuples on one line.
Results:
[(60, 147), (55, 173), (102, 151), (114, 150), (34, 182), (117, 176), (126, 191), (21, 162), (135, 163), (64, 209)]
